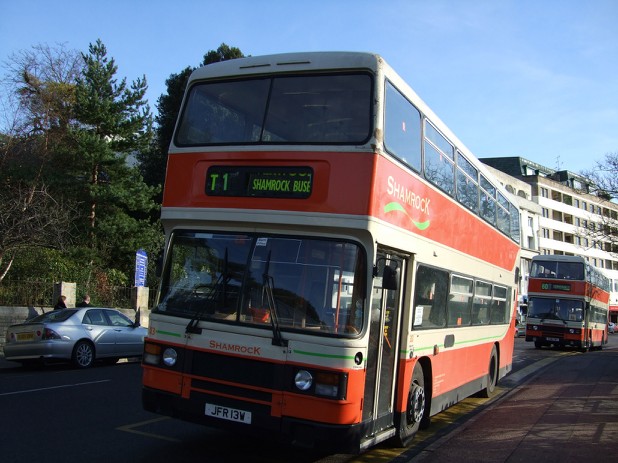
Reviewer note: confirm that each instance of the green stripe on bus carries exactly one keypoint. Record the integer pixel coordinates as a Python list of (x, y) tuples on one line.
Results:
[(169, 333), (316, 354), (395, 206), (489, 338)]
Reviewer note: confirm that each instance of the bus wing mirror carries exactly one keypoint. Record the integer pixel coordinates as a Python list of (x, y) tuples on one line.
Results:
[(389, 278)]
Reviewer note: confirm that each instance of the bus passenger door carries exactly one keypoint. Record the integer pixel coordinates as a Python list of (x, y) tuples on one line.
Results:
[(384, 328)]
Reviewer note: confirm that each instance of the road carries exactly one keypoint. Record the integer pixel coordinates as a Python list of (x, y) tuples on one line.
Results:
[(58, 413)]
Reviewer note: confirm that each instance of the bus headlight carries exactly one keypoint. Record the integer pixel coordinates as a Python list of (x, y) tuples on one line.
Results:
[(169, 357), (303, 380)]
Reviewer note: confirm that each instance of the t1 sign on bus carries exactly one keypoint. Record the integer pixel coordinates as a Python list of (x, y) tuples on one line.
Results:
[(141, 264)]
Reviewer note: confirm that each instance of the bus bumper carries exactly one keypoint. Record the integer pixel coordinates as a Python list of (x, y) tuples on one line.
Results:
[(301, 433)]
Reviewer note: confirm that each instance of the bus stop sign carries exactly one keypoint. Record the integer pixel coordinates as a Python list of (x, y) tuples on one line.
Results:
[(141, 263)]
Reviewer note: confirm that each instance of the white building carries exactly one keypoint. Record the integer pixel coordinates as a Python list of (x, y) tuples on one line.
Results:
[(565, 207)]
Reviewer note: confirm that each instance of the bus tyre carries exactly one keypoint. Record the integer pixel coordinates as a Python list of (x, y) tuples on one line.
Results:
[(492, 375), (417, 411)]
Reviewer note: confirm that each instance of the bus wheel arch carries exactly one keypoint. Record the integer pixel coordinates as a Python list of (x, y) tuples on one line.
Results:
[(418, 404)]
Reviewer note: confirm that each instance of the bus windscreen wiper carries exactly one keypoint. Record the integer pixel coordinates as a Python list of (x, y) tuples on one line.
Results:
[(268, 285), (220, 285)]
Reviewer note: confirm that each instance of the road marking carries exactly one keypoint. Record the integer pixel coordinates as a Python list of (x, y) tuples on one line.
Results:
[(28, 391), (521, 374), (129, 428)]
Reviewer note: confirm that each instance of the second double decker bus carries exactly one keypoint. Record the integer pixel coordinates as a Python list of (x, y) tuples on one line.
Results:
[(338, 266), (568, 303)]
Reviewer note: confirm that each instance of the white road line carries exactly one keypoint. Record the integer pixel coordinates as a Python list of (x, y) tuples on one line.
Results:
[(28, 391)]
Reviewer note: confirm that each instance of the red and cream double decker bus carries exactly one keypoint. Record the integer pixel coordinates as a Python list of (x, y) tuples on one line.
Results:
[(338, 266), (568, 303)]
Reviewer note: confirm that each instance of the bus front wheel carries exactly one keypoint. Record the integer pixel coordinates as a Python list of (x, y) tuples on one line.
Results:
[(417, 411)]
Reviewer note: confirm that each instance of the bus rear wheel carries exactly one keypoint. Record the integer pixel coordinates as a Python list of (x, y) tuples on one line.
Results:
[(417, 411), (492, 375)]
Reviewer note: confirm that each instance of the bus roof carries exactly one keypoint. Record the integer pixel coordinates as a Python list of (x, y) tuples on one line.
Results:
[(288, 62), (558, 258)]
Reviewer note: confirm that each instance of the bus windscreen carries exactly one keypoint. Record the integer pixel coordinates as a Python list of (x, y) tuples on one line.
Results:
[(305, 109)]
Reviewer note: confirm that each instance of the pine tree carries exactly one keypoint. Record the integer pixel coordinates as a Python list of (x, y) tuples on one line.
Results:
[(114, 123)]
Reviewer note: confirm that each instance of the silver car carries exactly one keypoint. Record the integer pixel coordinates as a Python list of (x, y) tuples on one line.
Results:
[(80, 335)]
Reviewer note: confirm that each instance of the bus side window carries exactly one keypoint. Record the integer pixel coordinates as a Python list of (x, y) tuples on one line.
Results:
[(499, 307), (402, 128), (481, 303), (430, 298), (460, 300)]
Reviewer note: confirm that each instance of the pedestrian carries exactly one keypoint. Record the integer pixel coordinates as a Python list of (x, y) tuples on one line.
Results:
[(60, 303), (85, 302)]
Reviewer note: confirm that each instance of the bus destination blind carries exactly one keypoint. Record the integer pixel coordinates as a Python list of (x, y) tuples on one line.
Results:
[(261, 182)]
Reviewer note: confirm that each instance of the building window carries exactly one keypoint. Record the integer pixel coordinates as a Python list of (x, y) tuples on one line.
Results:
[(544, 192), (546, 213)]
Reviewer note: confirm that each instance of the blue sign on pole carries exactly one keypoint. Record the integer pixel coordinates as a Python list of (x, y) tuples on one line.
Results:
[(141, 264)]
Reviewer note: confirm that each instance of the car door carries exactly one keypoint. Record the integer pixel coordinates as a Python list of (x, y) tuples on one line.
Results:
[(101, 333), (129, 338)]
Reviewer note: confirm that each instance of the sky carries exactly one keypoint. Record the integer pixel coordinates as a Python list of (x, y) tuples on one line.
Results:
[(530, 78)]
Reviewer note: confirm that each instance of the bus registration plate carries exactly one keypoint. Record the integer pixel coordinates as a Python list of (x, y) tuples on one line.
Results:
[(554, 339), (226, 413)]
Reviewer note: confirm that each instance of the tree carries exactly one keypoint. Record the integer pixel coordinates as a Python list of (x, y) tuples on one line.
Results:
[(37, 99), (602, 229), (113, 122), (154, 161), (29, 217)]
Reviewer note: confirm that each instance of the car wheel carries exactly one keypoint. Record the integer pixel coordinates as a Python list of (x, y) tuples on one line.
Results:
[(83, 354)]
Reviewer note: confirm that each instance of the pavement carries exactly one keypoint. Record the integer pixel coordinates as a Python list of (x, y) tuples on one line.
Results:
[(562, 409), (567, 411)]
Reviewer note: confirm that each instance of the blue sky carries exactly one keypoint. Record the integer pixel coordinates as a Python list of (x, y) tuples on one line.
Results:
[(530, 78)]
